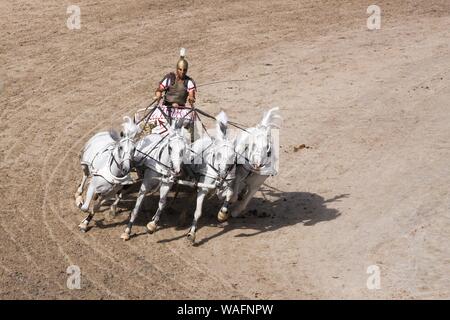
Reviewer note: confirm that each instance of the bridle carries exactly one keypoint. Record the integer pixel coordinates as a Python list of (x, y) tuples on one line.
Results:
[(129, 157), (171, 139), (162, 147), (220, 179), (268, 148)]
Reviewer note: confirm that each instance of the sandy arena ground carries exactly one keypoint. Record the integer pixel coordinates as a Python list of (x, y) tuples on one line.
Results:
[(372, 188)]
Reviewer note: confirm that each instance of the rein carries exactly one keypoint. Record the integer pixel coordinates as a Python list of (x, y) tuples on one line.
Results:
[(147, 155), (234, 124), (218, 177), (113, 158)]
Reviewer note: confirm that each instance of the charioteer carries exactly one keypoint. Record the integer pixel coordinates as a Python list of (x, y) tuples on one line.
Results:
[(179, 90)]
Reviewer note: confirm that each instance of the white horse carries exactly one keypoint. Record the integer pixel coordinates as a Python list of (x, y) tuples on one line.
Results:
[(213, 161), (107, 157), (257, 157), (158, 156)]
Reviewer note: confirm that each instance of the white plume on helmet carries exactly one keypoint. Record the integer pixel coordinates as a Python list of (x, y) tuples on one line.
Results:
[(182, 52)]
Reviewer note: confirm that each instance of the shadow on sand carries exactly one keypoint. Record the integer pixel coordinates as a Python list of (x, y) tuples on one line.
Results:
[(277, 209)]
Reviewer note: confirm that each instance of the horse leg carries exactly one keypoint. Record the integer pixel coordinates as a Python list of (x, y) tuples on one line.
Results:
[(146, 185), (78, 194), (223, 214), (198, 213), (119, 196), (254, 182), (232, 194), (99, 200), (113, 208), (163, 192), (238, 183), (177, 190), (90, 194)]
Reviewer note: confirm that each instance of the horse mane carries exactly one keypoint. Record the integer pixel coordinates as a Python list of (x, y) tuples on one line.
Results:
[(272, 119), (221, 125), (130, 129)]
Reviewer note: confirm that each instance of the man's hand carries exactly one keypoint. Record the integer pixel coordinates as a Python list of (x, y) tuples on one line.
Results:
[(191, 100), (158, 95)]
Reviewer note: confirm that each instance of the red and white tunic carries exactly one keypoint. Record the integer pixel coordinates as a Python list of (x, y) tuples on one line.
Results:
[(175, 113)]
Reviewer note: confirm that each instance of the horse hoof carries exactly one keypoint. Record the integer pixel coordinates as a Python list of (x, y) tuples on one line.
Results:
[(83, 227), (125, 236), (222, 216), (151, 227), (191, 237)]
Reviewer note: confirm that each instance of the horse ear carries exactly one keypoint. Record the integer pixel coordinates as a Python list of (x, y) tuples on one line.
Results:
[(113, 133)]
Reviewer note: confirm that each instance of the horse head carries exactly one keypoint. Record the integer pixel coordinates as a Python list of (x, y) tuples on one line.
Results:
[(127, 144), (223, 153), (258, 148), (257, 144), (177, 145)]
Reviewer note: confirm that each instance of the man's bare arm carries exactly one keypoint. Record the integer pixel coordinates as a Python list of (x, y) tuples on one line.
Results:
[(191, 97)]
